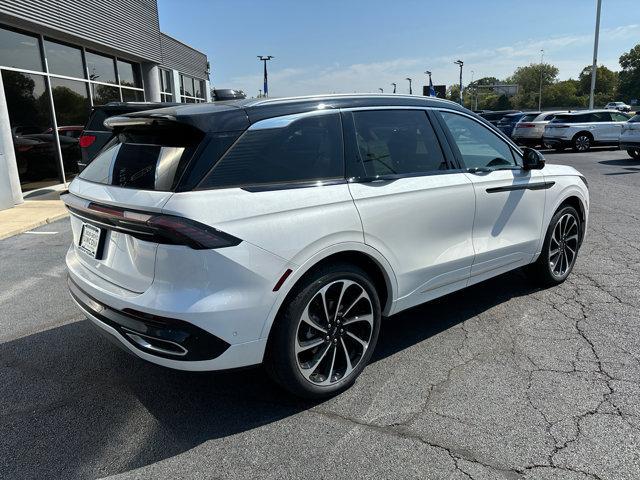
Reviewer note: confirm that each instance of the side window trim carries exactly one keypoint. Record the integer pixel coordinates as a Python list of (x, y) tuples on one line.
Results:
[(513, 149), (354, 166)]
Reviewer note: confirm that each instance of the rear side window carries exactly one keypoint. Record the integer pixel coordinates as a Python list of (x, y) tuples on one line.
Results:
[(549, 117), (601, 117), (619, 117), (309, 148), (479, 147), (581, 118), (144, 159), (392, 142)]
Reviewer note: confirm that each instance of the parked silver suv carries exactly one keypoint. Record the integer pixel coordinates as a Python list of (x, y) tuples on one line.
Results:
[(582, 130), (630, 137)]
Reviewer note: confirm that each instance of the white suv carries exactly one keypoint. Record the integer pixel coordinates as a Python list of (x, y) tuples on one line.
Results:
[(582, 130), (620, 106), (215, 236), (630, 137), (530, 128)]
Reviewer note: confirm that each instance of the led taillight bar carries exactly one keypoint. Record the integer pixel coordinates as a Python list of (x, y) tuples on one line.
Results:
[(156, 227)]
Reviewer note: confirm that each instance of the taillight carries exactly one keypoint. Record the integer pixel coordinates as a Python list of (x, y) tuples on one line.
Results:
[(157, 227), (86, 140)]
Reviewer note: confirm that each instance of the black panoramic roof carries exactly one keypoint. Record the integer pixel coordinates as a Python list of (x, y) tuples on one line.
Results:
[(236, 115)]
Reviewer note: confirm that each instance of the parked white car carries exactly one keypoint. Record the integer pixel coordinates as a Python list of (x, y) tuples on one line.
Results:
[(620, 106), (582, 130), (630, 137), (215, 236), (529, 130)]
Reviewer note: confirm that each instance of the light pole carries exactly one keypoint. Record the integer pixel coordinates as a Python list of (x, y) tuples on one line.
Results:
[(381, 90), (461, 63), (594, 67), (541, 71), (475, 89), (265, 59), (394, 87), (410, 90)]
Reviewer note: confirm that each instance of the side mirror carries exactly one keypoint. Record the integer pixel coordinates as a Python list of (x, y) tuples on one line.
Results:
[(532, 159)]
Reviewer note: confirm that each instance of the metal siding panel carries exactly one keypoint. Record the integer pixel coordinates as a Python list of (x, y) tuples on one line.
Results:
[(129, 26), (183, 58)]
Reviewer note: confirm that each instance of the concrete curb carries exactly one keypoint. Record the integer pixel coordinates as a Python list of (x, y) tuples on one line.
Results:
[(32, 225)]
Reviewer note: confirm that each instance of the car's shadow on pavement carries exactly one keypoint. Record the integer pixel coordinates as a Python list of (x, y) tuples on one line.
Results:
[(72, 405)]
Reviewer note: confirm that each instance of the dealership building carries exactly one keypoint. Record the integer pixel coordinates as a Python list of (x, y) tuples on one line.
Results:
[(60, 58)]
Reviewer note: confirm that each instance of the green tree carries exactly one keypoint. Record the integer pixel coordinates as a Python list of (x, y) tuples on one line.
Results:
[(606, 82), (629, 77), (528, 78), (564, 94)]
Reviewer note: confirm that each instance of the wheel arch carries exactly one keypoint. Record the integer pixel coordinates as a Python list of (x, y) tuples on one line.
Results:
[(586, 132), (362, 255), (575, 202)]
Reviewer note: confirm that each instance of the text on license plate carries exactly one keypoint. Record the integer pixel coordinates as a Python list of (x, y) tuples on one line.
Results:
[(90, 239)]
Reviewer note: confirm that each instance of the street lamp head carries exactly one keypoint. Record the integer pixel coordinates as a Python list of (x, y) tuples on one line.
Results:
[(459, 62), (265, 57), (427, 72), (408, 79), (393, 84)]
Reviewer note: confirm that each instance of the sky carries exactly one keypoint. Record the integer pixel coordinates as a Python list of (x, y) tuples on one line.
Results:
[(327, 46)]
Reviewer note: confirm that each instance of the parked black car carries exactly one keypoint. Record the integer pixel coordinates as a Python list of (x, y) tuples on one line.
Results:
[(495, 117), (508, 122), (96, 135)]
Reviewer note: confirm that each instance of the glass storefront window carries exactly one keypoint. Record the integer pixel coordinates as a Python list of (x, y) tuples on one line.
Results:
[(104, 94), (64, 60), (129, 74), (186, 85), (101, 68), (30, 117), (71, 103), (18, 50), (130, 95)]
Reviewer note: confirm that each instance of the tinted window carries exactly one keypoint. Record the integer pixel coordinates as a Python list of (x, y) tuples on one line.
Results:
[(619, 117), (146, 160), (601, 117), (64, 60), (130, 95), (635, 119), (549, 117), (307, 149), (397, 142), (18, 50), (581, 118), (101, 68), (478, 146)]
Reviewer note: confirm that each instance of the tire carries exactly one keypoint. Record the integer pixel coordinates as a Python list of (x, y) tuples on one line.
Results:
[(634, 153), (581, 142), (565, 229), (309, 358)]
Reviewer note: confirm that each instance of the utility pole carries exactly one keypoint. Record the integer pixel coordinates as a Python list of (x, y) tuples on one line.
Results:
[(265, 59), (461, 63), (541, 71), (595, 55), (410, 90), (394, 87), (475, 89), (428, 72)]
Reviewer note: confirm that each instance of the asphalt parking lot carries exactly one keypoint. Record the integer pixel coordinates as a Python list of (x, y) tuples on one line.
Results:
[(500, 381)]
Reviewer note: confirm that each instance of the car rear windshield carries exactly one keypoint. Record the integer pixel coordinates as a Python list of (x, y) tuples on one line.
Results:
[(529, 117), (147, 159)]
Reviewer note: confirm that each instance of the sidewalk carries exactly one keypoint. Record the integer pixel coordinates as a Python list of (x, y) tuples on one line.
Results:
[(39, 208)]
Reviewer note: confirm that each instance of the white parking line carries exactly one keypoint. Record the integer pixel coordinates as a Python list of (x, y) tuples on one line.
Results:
[(42, 233)]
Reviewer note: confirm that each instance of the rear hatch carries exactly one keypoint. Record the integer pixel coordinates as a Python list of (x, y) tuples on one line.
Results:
[(116, 202)]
